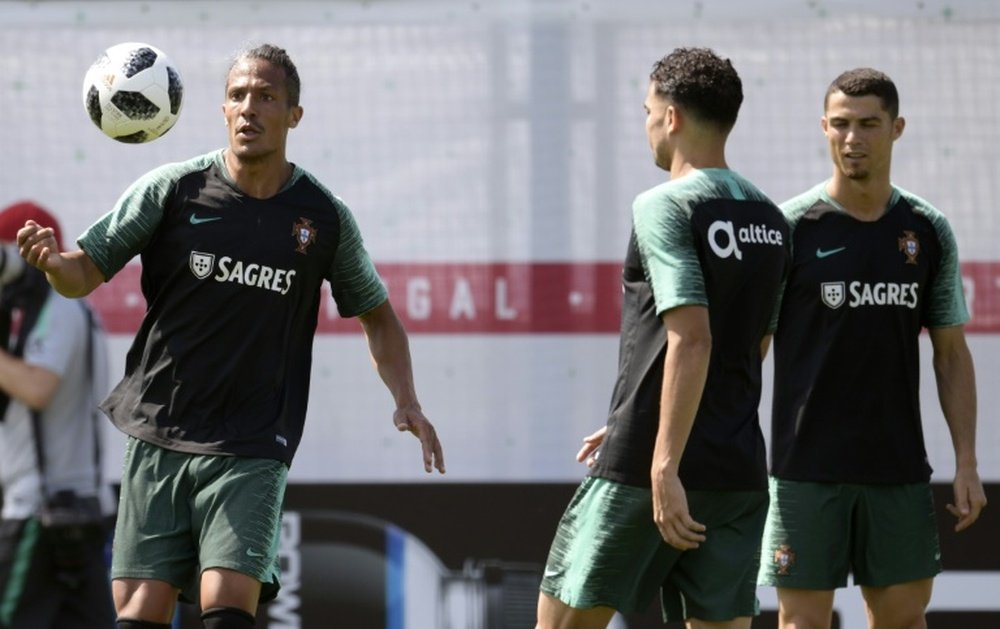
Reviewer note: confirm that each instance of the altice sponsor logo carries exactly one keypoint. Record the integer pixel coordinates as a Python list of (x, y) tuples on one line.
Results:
[(729, 244)]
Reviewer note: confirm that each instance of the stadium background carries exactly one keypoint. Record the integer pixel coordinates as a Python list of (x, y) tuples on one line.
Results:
[(490, 152)]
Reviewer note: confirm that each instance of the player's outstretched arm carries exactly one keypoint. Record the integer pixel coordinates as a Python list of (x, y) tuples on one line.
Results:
[(72, 274), (956, 385), (390, 353)]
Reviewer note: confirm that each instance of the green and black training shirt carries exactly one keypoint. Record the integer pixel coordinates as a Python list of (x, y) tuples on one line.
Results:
[(712, 239), (221, 362), (847, 369)]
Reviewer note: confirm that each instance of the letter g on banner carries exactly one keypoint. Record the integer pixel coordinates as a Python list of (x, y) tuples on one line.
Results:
[(731, 247)]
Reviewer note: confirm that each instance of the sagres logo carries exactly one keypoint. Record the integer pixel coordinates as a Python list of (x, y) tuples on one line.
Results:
[(201, 264), (861, 294), (729, 245), (832, 294)]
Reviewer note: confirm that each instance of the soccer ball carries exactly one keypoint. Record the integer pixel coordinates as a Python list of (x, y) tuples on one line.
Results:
[(133, 92)]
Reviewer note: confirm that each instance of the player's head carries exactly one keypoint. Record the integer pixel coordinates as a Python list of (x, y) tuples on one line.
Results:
[(861, 122), (262, 101), (702, 83), (703, 88), (866, 82), (13, 217), (277, 57)]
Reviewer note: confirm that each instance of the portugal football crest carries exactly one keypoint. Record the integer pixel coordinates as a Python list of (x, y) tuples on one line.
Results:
[(201, 264), (832, 294), (304, 233), (784, 559), (910, 246)]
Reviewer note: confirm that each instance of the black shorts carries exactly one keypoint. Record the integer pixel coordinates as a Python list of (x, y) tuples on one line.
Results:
[(53, 578)]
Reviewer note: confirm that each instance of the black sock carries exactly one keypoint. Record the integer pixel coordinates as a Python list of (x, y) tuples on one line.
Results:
[(140, 624), (227, 618)]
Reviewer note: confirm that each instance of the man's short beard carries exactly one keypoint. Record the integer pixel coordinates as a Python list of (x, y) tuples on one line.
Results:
[(259, 158)]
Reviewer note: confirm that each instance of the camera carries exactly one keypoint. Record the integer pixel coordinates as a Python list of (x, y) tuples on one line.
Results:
[(11, 263)]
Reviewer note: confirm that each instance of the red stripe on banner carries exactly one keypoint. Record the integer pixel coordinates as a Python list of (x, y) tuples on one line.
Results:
[(499, 298), (981, 281)]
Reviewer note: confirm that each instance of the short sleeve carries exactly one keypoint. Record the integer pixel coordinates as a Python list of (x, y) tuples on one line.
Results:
[(355, 284), (666, 245), (946, 304)]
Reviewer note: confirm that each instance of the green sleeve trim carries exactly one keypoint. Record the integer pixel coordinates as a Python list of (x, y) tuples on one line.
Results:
[(947, 306), (354, 281), (666, 246), (124, 232)]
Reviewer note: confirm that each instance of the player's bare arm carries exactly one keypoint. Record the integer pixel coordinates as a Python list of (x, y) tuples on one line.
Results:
[(32, 385), (956, 384), (689, 345), (390, 353), (72, 274)]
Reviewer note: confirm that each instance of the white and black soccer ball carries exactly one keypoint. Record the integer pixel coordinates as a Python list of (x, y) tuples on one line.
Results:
[(133, 92)]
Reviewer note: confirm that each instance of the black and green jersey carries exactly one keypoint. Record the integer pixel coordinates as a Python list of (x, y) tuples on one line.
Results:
[(221, 362), (847, 370), (710, 238)]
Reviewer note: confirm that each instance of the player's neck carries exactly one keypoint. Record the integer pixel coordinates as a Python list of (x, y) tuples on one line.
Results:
[(260, 178), (697, 157), (865, 200)]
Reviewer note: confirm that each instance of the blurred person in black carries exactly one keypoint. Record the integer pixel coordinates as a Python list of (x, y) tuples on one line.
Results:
[(53, 370)]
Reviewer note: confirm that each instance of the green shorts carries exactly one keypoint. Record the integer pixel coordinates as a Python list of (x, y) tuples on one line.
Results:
[(818, 532), (180, 514), (607, 552)]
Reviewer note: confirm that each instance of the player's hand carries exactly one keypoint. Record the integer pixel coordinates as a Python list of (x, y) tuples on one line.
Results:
[(38, 246), (670, 512), (969, 498), (412, 419), (590, 445)]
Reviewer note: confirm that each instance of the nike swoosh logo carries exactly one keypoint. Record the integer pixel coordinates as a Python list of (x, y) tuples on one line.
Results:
[(551, 573), (252, 553), (196, 220), (829, 252)]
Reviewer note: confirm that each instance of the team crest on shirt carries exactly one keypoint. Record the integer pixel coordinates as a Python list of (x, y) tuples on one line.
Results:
[(910, 246), (201, 264), (784, 559), (832, 294), (304, 233)]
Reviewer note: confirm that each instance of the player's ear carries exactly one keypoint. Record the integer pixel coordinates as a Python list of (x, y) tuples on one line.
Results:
[(673, 119), (897, 127), (295, 116)]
